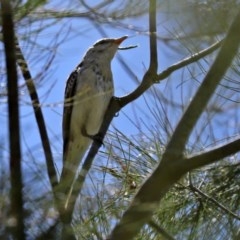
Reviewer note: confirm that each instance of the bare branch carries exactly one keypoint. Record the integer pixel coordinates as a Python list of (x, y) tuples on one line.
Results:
[(17, 214), (52, 14), (153, 37), (189, 60), (149, 80), (211, 156), (38, 114)]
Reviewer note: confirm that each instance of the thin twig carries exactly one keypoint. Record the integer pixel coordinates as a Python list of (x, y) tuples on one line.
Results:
[(148, 81), (16, 198), (160, 230), (189, 60), (218, 204)]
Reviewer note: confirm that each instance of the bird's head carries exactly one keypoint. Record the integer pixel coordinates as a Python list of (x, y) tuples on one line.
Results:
[(104, 49)]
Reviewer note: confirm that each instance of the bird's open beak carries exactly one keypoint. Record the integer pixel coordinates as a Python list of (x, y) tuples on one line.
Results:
[(118, 41)]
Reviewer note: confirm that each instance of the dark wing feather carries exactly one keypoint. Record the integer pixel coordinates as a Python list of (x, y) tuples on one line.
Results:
[(68, 105)]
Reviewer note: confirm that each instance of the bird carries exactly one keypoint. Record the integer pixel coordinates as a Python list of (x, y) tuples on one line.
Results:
[(88, 92)]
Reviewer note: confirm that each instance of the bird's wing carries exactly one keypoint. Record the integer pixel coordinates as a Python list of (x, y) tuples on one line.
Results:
[(70, 91)]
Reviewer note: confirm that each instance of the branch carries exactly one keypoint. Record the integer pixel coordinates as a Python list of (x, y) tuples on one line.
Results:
[(49, 14), (161, 230), (149, 80), (153, 37), (50, 233), (16, 197), (196, 107), (38, 114), (219, 205), (211, 156), (167, 173), (189, 60)]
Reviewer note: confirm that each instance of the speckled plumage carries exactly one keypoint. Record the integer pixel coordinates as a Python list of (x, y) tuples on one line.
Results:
[(88, 92)]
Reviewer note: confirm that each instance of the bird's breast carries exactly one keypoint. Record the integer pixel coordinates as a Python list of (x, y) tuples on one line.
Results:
[(94, 91)]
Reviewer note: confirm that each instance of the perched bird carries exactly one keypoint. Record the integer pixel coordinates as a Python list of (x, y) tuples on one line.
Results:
[(88, 92)]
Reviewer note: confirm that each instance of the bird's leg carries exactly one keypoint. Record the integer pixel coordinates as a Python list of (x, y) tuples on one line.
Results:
[(95, 137)]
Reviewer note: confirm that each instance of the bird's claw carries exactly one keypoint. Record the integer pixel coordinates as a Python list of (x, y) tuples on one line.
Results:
[(98, 138), (95, 137)]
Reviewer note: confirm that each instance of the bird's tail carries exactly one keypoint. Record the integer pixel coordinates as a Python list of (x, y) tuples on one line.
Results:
[(71, 161)]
